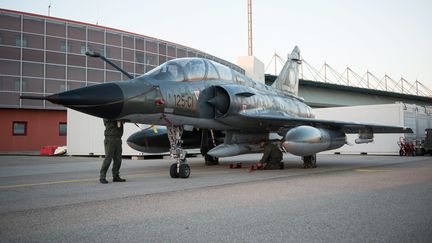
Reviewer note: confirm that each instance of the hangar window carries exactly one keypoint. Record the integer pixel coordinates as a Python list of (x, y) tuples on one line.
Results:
[(62, 128), (19, 128)]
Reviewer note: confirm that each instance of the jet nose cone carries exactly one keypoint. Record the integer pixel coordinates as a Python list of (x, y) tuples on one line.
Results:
[(102, 100)]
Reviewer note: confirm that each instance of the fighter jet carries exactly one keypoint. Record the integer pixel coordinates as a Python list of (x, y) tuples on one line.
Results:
[(187, 93)]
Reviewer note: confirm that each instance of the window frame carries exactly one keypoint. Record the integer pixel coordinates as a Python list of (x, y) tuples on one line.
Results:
[(19, 134), (60, 133)]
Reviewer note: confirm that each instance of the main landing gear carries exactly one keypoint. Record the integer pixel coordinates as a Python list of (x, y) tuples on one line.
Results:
[(180, 168), (309, 161), (207, 143)]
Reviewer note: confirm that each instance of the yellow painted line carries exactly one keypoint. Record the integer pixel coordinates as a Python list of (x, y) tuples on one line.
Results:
[(147, 174), (371, 170), (69, 181)]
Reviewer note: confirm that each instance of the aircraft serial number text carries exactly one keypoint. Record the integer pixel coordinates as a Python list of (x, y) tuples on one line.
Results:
[(183, 101)]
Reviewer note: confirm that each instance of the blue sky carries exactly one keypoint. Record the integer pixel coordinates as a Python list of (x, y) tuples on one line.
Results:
[(393, 37)]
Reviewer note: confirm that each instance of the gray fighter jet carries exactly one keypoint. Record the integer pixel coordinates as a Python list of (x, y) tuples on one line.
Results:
[(187, 93)]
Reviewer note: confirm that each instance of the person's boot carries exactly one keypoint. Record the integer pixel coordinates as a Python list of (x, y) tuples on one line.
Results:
[(281, 165), (118, 179), (103, 181)]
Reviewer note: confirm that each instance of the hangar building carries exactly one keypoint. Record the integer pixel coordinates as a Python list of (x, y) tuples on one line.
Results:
[(41, 55)]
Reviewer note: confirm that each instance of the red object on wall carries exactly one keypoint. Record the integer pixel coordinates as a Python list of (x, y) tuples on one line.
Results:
[(42, 129)]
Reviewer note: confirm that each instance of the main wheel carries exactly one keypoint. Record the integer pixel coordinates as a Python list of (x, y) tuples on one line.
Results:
[(184, 171), (209, 160), (313, 161), (310, 161), (173, 171)]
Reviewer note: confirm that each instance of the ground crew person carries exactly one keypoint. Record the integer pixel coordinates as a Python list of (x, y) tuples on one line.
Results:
[(272, 156), (113, 150)]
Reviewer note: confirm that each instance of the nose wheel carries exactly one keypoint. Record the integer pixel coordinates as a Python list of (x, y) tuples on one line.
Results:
[(180, 169), (182, 172)]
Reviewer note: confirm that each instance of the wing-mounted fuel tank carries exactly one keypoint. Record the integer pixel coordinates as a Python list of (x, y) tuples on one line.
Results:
[(236, 143), (307, 140)]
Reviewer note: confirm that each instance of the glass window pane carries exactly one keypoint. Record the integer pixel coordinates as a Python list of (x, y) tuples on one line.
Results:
[(33, 41), (95, 75), (139, 57), (33, 55), (162, 49), (113, 52), (62, 129), (181, 53), (139, 44), (151, 59), (10, 67), (76, 32), (19, 128), (54, 57), (112, 76), (56, 29), (151, 46), (9, 99), (95, 62), (78, 47), (33, 69), (162, 59), (191, 54), (10, 53), (9, 21), (128, 55), (56, 44), (54, 71), (76, 60), (71, 85), (33, 25), (128, 41), (75, 73), (171, 51), (96, 35), (128, 66), (8, 83), (55, 86), (96, 48), (139, 69), (113, 39), (8, 37), (33, 85)]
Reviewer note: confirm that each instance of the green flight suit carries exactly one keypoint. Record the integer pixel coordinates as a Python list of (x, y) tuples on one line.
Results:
[(272, 156), (113, 148)]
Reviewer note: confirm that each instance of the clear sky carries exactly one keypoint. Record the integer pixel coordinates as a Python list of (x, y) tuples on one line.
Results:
[(385, 36)]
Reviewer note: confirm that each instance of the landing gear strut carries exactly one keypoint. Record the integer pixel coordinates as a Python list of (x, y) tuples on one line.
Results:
[(180, 168), (309, 161), (207, 143)]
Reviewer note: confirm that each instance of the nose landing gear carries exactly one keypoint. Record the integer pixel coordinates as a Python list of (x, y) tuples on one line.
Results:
[(180, 169)]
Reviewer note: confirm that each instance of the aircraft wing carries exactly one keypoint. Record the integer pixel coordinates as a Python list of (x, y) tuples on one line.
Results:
[(284, 121)]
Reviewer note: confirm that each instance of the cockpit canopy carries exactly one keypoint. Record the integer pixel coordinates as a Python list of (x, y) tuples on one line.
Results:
[(190, 69)]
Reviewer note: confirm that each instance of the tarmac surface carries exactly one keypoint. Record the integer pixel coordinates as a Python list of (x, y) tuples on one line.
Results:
[(348, 198)]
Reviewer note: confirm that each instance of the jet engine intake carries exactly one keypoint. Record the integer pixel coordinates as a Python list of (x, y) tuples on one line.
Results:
[(307, 140), (231, 98)]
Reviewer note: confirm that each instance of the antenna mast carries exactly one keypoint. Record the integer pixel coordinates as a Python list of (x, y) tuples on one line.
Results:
[(250, 53), (49, 8)]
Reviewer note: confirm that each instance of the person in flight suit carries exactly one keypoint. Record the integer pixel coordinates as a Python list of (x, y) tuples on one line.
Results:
[(272, 156), (113, 150)]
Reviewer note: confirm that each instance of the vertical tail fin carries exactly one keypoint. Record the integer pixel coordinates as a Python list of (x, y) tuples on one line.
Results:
[(288, 79)]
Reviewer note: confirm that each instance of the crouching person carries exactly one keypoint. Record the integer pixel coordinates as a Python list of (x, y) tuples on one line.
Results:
[(272, 156)]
